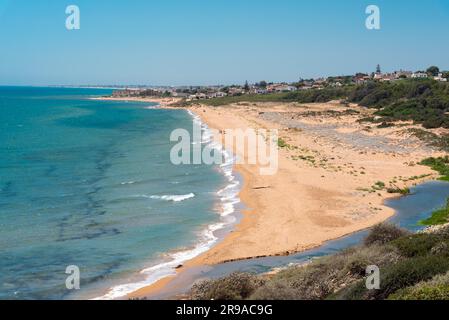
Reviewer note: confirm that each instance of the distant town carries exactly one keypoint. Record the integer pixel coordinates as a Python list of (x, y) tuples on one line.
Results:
[(191, 93)]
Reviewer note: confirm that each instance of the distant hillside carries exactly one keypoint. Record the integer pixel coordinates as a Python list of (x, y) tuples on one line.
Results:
[(425, 101)]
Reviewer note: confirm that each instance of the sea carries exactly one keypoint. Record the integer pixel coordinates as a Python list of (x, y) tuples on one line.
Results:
[(88, 192)]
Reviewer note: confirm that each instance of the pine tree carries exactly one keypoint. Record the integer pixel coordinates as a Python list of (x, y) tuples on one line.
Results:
[(378, 70)]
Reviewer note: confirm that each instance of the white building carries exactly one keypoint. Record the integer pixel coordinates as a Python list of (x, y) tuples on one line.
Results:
[(419, 75), (440, 78), (281, 88)]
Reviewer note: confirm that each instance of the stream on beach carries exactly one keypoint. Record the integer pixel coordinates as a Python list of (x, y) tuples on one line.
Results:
[(423, 200)]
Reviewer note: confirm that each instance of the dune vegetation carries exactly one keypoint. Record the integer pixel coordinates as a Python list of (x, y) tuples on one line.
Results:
[(412, 266)]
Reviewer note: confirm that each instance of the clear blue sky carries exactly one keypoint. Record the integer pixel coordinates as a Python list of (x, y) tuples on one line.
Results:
[(177, 42)]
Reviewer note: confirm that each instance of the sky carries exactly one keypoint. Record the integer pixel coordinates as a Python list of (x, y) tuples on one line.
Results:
[(204, 42)]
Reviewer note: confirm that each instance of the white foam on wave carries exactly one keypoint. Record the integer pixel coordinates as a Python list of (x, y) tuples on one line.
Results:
[(174, 198), (229, 198), (206, 134), (127, 182)]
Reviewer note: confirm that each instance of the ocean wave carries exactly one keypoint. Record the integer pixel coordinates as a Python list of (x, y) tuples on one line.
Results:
[(206, 134), (229, 198), (127, 182), (174, 198)]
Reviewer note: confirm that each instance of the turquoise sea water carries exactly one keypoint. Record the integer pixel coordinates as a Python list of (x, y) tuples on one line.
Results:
[(90, 183)]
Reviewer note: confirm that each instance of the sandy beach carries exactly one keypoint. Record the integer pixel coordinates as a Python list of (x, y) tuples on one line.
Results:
[(333, 176)]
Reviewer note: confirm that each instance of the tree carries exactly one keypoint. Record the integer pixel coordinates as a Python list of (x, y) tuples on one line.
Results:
[(262, 84), (433, 71), (446, 74), (246, 87), (378, 70)]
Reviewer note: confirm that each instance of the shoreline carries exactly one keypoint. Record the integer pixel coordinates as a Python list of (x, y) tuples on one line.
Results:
[(197, 261), (227, 249), (229, 215)]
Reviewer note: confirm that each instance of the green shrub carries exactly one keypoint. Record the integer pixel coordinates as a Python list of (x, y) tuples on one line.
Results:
[(416, 245), (379, 185), (403, 191), (424, 293), (411, 267), (282, 143), (384, 233), (275, 290), (315, 281), (362, 257), (399, 276), (435, 289), (236, 286), (327, 275), (410, 272), (423, 101)]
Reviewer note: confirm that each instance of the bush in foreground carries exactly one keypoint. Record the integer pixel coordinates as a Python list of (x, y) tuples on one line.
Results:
[(417, 245), (237, 286), (275, 290), (435, 289), (402, 275), (411, 266), (384, 233), (324, 276)]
